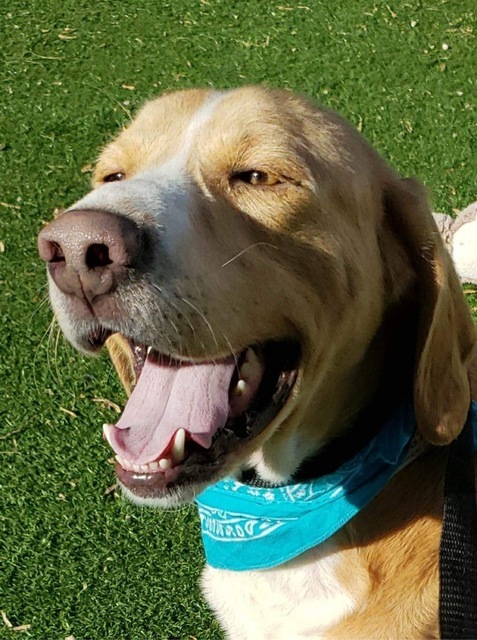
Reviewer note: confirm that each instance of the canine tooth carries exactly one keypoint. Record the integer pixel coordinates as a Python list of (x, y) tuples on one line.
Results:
[(125, 463), (165, 463), (149, 349), (241, 387), (107, 432), (179, 445)]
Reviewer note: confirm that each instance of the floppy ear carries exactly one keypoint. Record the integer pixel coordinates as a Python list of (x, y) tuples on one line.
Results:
[(120, 354), (446, 333)]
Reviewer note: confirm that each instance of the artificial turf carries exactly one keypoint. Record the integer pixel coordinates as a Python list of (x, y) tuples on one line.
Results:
[(75, 559)]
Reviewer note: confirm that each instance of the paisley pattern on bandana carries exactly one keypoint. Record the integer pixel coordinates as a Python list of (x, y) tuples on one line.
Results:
[(245, 527)]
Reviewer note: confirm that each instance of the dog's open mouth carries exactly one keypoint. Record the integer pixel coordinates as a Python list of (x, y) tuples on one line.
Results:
[(184, 419)]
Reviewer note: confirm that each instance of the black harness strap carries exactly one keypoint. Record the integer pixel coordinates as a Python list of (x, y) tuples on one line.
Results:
[(458, 551)]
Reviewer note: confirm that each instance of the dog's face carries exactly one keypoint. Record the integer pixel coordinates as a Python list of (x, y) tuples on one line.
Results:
[(238, 254)]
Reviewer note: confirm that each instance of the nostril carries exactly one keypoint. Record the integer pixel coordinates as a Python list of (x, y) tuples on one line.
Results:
[(89, 253), (57, 254), (97, 255), (50, 250)]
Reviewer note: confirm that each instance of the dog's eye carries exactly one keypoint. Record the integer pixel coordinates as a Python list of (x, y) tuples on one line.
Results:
[(256, 178), (114, 177)]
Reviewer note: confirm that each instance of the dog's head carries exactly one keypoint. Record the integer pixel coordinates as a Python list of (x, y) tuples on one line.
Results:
[(245, 255)]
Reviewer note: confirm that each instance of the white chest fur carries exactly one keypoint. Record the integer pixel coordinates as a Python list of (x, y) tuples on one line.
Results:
[(300, 599)]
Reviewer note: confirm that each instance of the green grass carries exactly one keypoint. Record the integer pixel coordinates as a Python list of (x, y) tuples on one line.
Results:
[(75, 560)]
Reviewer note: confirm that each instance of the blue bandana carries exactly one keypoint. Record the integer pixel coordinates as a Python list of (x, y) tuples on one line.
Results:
[(280, 523)]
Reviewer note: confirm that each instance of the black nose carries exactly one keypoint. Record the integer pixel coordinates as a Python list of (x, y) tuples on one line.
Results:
[(88, 252)]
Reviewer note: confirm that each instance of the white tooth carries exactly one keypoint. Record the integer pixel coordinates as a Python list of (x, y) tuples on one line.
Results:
[(165, 463), (149, 349), (179, 445), (144, 468), (153, 466), (241, 387), (107, 432), (124, 463), (136, 468)]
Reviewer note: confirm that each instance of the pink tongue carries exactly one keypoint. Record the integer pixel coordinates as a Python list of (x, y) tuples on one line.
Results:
[(168, 398)]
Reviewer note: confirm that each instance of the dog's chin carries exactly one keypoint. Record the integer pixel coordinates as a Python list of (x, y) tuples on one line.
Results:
[(170, 498), (199, 466)]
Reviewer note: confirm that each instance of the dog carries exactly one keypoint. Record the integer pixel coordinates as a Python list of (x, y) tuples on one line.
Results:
[(272, 293)]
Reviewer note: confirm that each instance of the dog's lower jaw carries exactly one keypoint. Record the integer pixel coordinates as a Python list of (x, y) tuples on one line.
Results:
[(259, 605), (177, 498)]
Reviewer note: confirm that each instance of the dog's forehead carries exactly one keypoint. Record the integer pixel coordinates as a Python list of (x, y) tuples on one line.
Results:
[(175, 112), (239, 129), (173, 122), (158, 131)]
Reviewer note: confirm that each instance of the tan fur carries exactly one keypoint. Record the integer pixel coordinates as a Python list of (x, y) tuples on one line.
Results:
[(121, 356), (151, 139), (446, 334), (348, 241), (386, 564)]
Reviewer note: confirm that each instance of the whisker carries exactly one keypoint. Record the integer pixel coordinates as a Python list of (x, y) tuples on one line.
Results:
[(57, 340), (240, 253), (50, 342), (170, 303), (231, 350), (39, 308), (158, 306), (46, 334), (178, 336), (209, 326), (183, 314)]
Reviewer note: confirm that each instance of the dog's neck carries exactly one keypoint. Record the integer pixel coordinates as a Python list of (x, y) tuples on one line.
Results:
[(393, 353)]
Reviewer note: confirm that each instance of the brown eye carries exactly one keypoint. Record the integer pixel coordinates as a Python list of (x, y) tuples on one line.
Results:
[(114, 177), (256, 178)]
